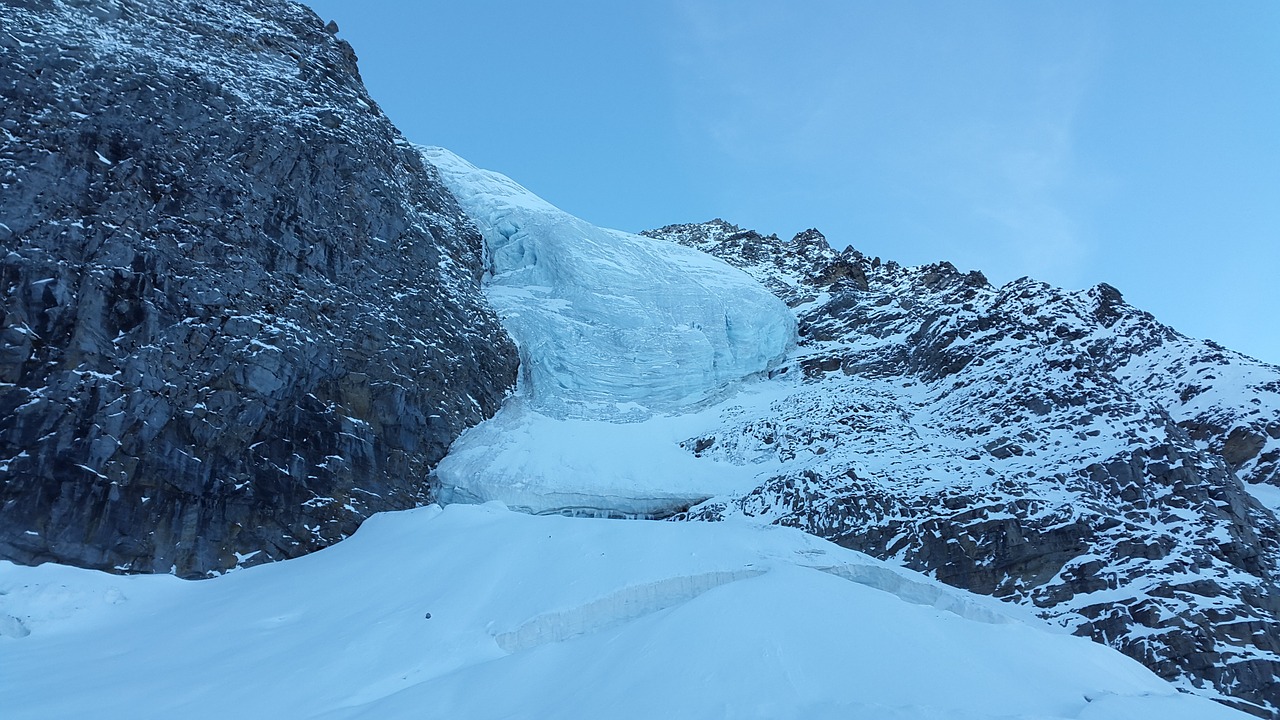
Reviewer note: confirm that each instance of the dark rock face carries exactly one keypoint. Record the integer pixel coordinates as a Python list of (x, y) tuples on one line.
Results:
[(1060, 450), (240, 314)]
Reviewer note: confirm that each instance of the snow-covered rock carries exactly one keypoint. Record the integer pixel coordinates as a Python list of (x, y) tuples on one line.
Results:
[(1058, 449)]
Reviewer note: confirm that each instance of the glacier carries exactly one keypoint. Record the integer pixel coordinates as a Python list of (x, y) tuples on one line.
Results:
[(620, 336), (611, 324)]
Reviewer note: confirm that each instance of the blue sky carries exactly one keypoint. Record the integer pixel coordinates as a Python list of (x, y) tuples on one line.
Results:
[(1135, 143)]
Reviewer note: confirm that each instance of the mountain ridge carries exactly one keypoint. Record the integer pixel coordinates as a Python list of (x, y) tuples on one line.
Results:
[(1050, 448)]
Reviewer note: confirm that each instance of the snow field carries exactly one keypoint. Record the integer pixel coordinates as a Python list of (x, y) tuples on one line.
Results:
[(550, 617), (540, 464)]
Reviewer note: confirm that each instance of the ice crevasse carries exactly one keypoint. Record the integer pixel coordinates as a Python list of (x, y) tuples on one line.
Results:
[(620, 336)]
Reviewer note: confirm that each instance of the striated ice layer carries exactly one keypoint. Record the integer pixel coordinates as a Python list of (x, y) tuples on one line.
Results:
[(610, 324)]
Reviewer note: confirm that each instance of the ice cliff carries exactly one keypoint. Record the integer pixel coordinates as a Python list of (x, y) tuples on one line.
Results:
[(610, 324), (620, 336)]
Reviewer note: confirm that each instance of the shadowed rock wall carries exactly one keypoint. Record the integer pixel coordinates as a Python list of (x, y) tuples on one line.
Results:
[(240, 314)]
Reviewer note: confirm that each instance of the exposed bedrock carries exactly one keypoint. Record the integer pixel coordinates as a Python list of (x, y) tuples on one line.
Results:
[(240, 314)]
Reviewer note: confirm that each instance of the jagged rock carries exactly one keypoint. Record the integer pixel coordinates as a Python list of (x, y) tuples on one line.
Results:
[(1241, 446), (1060, 450), (240, 313)]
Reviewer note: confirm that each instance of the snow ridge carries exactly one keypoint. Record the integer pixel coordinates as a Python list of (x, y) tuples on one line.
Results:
[(627, 604)]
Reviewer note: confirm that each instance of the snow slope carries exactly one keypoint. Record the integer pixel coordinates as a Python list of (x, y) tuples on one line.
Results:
[(549, 617), (621, 338)]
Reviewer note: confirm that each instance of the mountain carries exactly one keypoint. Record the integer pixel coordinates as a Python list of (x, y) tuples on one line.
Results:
[(480, 612), (1060, 450), (242, 314), (239, 314)]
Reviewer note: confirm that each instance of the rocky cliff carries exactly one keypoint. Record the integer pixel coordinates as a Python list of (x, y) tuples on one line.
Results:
[(1061, 450), (240, 314)]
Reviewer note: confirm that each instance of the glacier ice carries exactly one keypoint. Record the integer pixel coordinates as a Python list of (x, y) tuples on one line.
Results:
[(611, 324), (620, 336)]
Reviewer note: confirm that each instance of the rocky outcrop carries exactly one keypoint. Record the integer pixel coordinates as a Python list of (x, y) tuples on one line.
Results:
[(240, 314), (1060, 450)]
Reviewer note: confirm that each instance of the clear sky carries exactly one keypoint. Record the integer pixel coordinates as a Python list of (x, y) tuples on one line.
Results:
[(1135, 143)]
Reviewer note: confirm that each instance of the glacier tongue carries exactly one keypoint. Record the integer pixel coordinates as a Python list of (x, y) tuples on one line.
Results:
[(613, 325), (624, 342)]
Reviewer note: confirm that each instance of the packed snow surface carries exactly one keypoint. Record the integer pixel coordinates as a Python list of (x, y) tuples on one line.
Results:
[(615, 330), (576, 466), (480, 612)]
